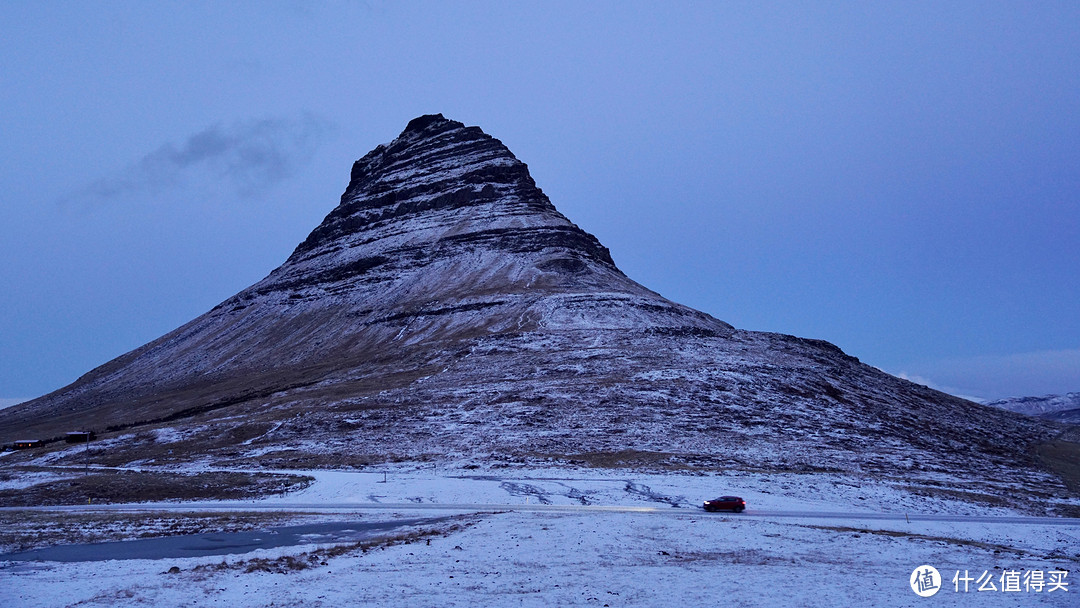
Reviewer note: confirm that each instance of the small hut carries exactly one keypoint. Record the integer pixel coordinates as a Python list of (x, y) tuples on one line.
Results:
[(80, 437)]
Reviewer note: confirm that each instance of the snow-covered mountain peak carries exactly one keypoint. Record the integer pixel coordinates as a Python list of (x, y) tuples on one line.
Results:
[(446, 307), (445, 213), (422, 123), (440, 180), (1064, 408)]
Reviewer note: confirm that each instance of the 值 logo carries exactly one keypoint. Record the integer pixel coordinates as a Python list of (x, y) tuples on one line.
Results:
[(925, 581)]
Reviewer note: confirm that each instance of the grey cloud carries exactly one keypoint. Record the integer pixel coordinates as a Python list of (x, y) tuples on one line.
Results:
[(248, 156)]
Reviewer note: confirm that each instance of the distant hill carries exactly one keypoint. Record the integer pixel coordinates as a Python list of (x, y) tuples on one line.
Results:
[(1062, 408)]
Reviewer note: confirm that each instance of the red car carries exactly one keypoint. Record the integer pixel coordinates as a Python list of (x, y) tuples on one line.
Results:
[(733, 503)]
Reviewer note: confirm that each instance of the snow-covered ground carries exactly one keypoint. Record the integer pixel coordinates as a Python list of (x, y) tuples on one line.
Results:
[(559, 486), (671, 554)]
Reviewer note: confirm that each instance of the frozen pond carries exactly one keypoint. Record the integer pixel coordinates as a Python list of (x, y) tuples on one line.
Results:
[(199, 545)]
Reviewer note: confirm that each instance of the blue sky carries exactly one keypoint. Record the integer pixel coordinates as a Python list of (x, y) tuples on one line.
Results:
[(901, 179)]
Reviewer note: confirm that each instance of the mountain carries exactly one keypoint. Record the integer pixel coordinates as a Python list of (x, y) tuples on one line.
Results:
[(446, 309), (1067, 416), (1063, 408)]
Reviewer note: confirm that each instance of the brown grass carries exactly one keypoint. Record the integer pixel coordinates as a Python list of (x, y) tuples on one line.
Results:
[(105, 486), (1063, 459), (321, 557), (962, 495), (992, 547), (752, 557), (619, 459), (26, 530)]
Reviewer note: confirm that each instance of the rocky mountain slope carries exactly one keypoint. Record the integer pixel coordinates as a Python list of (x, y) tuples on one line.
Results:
[(445, 309)]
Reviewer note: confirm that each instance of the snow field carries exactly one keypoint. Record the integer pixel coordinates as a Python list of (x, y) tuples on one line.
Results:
[(663, 556)]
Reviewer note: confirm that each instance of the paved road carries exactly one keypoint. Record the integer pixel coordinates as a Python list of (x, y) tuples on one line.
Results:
[(348, 507)]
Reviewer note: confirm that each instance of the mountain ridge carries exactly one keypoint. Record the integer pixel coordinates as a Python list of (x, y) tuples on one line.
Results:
[(359, 267), (446, 309), (1063, 408)]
